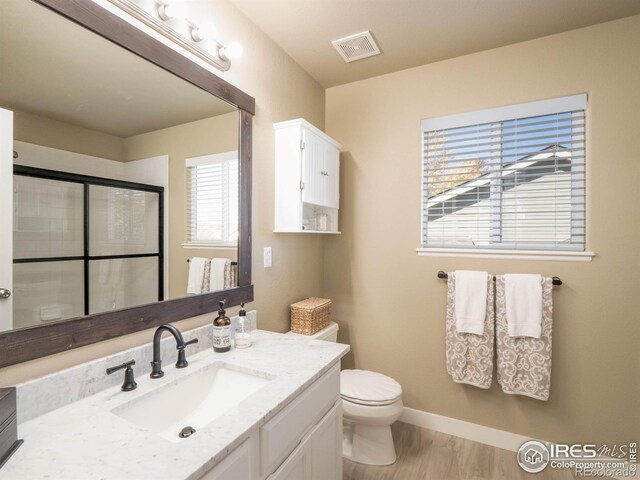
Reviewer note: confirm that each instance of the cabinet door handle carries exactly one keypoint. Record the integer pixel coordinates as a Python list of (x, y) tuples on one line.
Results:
[(326, 174)]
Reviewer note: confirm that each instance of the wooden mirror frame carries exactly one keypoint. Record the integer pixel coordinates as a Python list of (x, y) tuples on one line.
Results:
[(34, 342)]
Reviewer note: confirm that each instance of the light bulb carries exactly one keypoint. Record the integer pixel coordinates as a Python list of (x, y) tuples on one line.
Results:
[(203, 32), (233, 50), (167, 11)]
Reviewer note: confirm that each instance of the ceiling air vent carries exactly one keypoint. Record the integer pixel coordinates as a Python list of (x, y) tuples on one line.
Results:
[(356, 47)]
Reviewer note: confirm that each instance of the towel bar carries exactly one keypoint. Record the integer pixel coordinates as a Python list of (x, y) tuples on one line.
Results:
[(232, 263), (555, 280)]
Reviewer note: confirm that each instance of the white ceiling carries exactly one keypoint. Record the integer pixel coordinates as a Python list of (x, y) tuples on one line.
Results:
[(52, 67), (415, 32)]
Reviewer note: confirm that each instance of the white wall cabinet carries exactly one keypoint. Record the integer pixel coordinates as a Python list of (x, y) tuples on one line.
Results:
[(307, 174), (301, 442)]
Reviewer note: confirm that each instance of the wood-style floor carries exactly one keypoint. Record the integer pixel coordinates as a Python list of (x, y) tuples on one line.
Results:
[(427, 455)]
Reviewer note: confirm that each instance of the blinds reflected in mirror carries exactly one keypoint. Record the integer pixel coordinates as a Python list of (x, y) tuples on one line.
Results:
[(212, 200), (511, 177)]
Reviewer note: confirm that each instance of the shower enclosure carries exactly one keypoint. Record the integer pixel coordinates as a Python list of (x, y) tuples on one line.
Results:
[(83, 245)]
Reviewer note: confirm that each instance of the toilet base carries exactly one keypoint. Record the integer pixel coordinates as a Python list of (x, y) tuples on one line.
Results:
[(368, 444)]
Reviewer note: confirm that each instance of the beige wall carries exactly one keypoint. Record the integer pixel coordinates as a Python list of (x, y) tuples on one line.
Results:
[(282, 91), (51, 133), (390, 304), (203, 137)]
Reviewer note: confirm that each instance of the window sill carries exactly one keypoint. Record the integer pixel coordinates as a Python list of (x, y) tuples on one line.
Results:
[(553, 255), (209, 246)]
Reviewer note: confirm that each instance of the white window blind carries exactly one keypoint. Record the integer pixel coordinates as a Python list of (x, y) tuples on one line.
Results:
[(506, 178), (212, 199)]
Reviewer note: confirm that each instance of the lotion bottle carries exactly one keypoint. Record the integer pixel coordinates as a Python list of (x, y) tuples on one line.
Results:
[(221, 331), (243, 329)]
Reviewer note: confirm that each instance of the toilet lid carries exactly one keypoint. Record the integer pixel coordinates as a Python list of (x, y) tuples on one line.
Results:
[(368, 388)]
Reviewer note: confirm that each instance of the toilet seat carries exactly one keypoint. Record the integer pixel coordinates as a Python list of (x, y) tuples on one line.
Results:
[(363, 387)]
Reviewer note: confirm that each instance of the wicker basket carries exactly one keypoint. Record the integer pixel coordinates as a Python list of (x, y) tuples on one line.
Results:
[(311, 315)]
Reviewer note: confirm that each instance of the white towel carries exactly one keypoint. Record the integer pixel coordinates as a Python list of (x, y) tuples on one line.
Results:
[(470, 301), (196, 275), (523, 293), (217, 273)]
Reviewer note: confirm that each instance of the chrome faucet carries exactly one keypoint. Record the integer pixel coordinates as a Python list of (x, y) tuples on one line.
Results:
[(156, 364)]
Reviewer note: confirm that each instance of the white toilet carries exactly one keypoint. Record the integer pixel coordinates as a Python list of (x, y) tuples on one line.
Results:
[(371, 402)]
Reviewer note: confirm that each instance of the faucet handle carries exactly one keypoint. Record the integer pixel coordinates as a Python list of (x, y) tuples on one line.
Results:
[(182, 359), (129, 380)]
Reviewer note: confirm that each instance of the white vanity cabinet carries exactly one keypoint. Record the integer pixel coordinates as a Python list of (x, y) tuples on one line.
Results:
[(297, 466), (318, 456), (302, 442), (326, 445), (238, 464), (307, 179)]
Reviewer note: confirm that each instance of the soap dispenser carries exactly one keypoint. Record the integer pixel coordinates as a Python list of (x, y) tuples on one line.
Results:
[(243, 329), (221, 331)]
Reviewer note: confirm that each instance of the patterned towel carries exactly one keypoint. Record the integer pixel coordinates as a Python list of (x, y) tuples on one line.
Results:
[(205, 279), (524, 363), (228, 278), (469, 356)]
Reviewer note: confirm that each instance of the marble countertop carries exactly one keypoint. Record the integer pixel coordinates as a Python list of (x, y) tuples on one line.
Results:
[(85, 440)]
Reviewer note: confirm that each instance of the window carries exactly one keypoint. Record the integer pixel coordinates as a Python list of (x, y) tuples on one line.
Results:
[(510, 178), (212, 200)]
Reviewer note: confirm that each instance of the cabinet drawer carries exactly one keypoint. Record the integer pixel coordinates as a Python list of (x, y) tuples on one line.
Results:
[(280, 435)]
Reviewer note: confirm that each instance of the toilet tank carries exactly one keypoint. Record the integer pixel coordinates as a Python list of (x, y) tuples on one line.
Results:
[(329, 333)]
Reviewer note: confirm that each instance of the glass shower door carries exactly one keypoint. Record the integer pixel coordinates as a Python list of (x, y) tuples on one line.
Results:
[(47, 250), (83, 245), (124, 248)]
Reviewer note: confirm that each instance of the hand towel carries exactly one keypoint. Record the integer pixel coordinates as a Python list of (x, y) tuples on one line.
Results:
[(470, 301), (523, 294), (470, 356), (524, 363), (228, 280), (217, 273), (206, 285), (196, 275)]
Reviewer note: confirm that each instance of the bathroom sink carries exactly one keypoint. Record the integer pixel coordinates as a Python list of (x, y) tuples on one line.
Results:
[(192, 402)]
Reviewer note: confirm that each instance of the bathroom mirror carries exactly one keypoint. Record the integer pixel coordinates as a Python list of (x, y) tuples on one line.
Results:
[(130, 181)]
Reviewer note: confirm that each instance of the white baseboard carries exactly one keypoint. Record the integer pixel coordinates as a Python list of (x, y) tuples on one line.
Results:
[(470, 431), (460, 428)]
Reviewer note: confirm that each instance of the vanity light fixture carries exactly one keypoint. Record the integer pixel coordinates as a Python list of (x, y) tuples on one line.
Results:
[(170, 20)]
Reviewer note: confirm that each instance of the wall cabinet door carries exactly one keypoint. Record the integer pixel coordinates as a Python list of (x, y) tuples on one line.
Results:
[(332, 176), (326, 446), (297, 466), (314, 166)]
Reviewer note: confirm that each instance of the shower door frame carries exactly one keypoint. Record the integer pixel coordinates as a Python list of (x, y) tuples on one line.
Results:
[(86, 181)]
